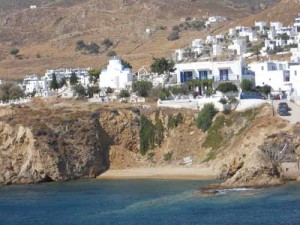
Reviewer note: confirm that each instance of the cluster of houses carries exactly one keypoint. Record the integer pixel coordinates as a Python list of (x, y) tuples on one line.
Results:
[(282, 76), (237, 42)]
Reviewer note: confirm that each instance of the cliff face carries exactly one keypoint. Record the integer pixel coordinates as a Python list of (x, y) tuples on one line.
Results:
[(53, 150)]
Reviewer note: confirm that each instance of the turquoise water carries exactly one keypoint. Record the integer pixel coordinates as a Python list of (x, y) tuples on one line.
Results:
[(93, 202)]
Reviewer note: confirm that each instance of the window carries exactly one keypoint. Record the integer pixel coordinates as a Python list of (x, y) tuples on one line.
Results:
[(295, 72), (262, 68)]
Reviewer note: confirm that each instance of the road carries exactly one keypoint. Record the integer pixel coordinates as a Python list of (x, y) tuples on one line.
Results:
[(295, 112)]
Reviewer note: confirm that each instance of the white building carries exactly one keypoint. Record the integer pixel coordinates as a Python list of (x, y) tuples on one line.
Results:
[(295, 80), (276, 26), (261, 25), (217, 71), (35, 84), (217, 50), (297, 23), (115, 75), (272, 73), (239, 46), (179, 54), (247, 32), (295, 58)]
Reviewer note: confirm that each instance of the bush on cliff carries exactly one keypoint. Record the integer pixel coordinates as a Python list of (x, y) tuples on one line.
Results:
[(205, 117), (147, 135)]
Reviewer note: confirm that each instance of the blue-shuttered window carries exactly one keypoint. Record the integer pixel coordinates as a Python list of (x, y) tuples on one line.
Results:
[(224, 74), (203, 75)]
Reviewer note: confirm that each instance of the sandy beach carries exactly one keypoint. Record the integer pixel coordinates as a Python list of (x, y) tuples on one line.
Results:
[(174, 173)]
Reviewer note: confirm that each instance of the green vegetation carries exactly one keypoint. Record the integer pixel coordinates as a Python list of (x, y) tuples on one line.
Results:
[(162, 65), (91, 90), (168, 156), (54, 85), (265, 90), (173, 122), (174, 35), (111, 53), (126, 64), (107, 43), (147, 135), (10, 91), (205, 117), (14, 51), (159, 132), (91, 48), (246, 85), (94, 74), (214, 137), (109, 90), (73, 79), (227, 87), (79, 90), (124, 94), (142, 88)]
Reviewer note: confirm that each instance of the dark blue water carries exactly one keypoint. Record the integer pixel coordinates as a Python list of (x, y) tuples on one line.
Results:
[(145, 202)]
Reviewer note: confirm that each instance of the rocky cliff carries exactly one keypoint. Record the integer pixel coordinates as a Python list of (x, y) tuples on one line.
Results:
[(65, 140)]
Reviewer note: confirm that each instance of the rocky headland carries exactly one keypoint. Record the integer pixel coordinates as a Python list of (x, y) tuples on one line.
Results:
[(65, 140)]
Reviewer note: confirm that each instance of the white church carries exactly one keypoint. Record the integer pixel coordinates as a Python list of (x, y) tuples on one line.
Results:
[(115, 76)]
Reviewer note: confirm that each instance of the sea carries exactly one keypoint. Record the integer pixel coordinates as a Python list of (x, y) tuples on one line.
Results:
[(146, 202)]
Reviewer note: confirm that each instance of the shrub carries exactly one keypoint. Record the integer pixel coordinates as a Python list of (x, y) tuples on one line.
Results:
[(174, 35), (246, 85), (80, 45), (147, 135), (223, 101), (14, 51), (142, 88), (109, 90), (173, 122), (93, 48), (124, 94), (73, 79), (227, 87), (205, 117), (107, 43), (79, 90), (168, 156), (10, 91), (111, 53)]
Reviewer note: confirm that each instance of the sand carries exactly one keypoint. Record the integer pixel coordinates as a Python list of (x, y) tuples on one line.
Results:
[(173, 173)]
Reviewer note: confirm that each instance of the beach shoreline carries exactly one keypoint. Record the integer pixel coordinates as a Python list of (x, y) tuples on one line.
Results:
[(169, 173)]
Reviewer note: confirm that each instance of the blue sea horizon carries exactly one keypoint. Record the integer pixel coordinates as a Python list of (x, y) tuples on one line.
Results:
[(137, 202)]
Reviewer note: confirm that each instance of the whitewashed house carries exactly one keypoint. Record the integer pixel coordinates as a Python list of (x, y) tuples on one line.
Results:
[(35, 84), (178, 55), (295, 58), (295, 80), (297, 23), (272, 73), (239, 46), (217, 71), (217, 50), (115, 76), (261, 25), (247, 32)]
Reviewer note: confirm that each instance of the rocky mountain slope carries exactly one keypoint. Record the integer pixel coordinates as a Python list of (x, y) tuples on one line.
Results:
[(47, 36), (59, 140)]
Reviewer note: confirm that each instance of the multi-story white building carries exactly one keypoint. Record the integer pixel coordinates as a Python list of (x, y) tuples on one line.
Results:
[(238, 46), (115, 75), (217, 71), (261, 25), (272, 73), (35, 84), (295, 80)]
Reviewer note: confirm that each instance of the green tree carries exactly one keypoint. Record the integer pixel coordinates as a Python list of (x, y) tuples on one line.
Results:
[(142, 88), (205, 117), (62, 82), (107, 43), (246, 85), (109, 90), (159, 132), (126, 64), (147, 135), (227, 87), (124, 94), (174, 35), (265, 90), (14, 51), (79, 90), (73, 79), (54, 84), (111, 53), (94, 74), (162, 65), (10, 91), (91, 90)]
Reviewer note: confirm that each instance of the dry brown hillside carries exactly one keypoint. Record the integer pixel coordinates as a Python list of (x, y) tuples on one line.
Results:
[(47, 36)]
